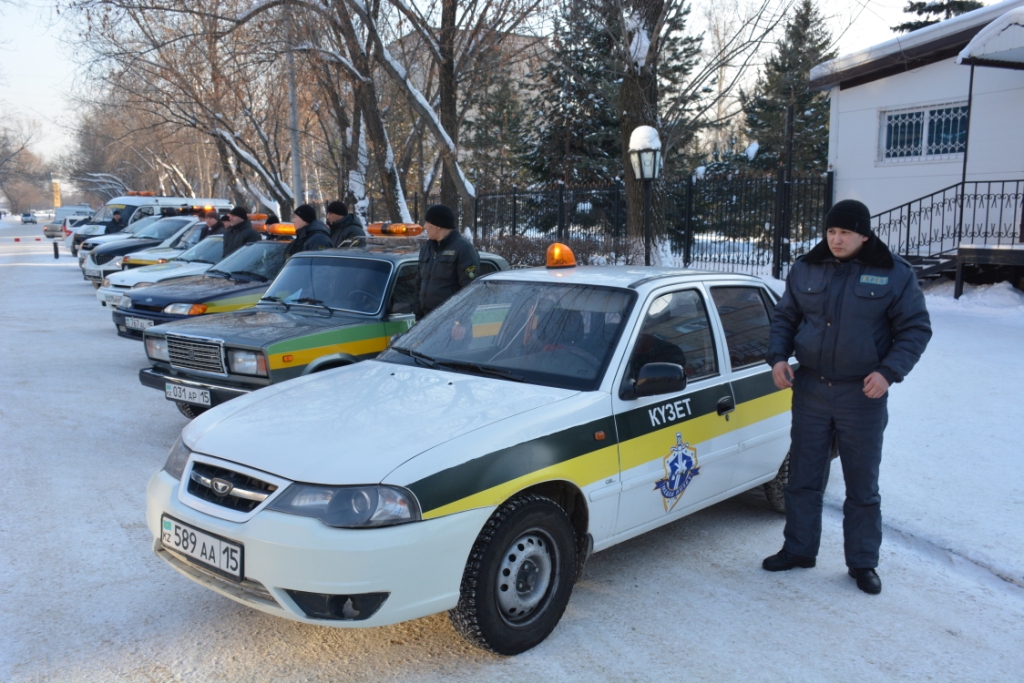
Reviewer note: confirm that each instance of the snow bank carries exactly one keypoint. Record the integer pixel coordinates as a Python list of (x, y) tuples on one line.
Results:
[(1000, 298)]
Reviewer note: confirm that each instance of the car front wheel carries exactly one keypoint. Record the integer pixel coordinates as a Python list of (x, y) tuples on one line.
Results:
[(519, 576), (775, 490), (190, 411)]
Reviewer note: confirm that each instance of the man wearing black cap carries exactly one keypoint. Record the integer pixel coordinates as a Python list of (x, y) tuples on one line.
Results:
[(310, 233), (214, 225), (346, 230), (855, 318), (116, 224), (448, 262), (240, 231)]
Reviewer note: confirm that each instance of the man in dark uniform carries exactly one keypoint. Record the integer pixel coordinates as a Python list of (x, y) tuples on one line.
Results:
[(240, 231), (214, 225), (116, 224), (346, 230), (310, 233), (448, 262), (855, 317)]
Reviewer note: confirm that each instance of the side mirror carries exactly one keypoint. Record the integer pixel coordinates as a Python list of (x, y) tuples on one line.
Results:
[(659, 378)]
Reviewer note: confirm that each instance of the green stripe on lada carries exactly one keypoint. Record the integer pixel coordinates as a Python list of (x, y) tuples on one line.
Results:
[(463, 481), (341, 335)]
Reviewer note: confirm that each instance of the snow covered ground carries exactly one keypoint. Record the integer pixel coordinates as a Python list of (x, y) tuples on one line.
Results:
[(83, 598)]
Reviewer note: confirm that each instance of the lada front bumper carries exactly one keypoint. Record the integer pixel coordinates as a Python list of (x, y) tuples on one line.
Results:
[(120, 316), (418, 565), (220, 392)]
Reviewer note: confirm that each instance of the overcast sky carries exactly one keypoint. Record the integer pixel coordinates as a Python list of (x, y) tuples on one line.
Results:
[(37, 73)]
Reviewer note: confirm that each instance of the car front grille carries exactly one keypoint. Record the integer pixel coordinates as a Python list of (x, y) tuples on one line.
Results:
[(100, 259), (240, 491), (193, 354)]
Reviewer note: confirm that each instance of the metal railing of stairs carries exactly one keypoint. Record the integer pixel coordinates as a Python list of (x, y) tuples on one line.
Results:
[(928, 231)]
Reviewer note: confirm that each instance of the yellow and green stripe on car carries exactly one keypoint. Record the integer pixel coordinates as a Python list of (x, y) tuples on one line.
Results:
[(289, 358)]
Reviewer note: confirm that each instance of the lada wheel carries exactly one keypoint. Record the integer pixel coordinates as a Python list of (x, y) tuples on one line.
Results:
[(190, 411), (518, 578), (775, 490)]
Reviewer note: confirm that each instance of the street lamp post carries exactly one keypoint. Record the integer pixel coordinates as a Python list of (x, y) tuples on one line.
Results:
[(645, 157)]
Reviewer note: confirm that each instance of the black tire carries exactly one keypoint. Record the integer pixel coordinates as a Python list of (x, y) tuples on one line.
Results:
[(529, 539), (190, 411), (775, 490), (95, 285), (74, 252)]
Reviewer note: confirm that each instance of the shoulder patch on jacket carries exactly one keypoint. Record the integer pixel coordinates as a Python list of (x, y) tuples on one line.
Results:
[(471, 272), (874, 279)]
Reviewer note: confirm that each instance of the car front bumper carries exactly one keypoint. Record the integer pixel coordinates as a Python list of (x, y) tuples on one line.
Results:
[(155, 378), (110, 296), (420, 565), (118, 315)]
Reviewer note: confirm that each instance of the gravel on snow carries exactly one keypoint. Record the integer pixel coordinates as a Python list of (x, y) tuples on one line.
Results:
[(83, 598)]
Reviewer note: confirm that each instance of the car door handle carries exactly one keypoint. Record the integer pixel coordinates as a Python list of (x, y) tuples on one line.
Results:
[(726, 405)]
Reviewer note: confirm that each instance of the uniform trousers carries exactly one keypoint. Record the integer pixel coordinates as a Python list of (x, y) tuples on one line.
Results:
[(822, 410)]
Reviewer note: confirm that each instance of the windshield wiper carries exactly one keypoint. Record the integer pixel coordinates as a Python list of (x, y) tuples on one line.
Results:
[(421, 358), (222, 274), (277, 300), (195, 260), (481, 369), (249, 273), (313, 302)]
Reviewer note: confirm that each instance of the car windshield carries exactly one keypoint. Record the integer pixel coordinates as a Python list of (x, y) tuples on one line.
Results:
[(556, 334), (140, 225), (209, 250), (106, 214), (348, 284), (190, 237), (163, 228), (260, 261)]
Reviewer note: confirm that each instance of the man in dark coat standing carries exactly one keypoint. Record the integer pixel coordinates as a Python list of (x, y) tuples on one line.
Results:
[(116, 224), (448, 262), (310, 233), (346, 229), (214, 225), (240, 231), (855, 318)]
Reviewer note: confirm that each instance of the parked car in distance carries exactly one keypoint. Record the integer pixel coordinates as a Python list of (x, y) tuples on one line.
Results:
[(537, 416), (194, 261), (237, 282), (325, 309), (28, 218), (169, 233)]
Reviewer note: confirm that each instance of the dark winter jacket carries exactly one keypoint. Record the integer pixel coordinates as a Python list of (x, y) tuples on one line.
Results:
[(348, 232), (115, 226), (845, 320), (445, 267), (237, 236), (313, 237), (217, 229)]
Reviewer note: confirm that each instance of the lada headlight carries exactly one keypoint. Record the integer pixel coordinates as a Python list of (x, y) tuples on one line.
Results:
[(125, 302), (185, 309), (106, 282), (247, 362), (156, 348), (349, 507), (178, 458)]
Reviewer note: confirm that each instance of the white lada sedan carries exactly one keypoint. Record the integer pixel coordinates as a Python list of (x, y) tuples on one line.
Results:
[(538, 416), (194, 261)]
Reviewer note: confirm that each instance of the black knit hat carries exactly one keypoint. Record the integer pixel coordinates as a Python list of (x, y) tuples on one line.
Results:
[(849, 214), (441, 216), (306, 212), (337, 208), (241, 212)]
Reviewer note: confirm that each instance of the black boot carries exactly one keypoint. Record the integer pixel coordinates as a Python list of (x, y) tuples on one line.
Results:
[(782, 561), (867, 580)]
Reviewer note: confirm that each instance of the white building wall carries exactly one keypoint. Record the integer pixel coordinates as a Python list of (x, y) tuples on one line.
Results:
[(996, 136)]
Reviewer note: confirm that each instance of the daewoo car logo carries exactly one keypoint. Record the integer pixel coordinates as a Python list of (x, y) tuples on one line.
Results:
[(221, 487)]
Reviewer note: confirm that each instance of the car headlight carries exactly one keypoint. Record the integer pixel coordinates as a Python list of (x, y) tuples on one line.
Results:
[(178, 458), (125, 302), (247, 362), (106, 282), (156, 348), (139, 285), (185, 309), (116, 263), (349, 507)]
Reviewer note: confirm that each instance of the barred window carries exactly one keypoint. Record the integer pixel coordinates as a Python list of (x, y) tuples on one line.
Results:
[(924, 134)]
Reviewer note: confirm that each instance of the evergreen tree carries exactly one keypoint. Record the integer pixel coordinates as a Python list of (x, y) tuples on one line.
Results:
[(497, 138), (934, 12), (784, 82), (575, 126)]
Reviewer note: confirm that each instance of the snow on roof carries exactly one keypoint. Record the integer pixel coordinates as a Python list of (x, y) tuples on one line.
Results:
[(1001, 41), (913, 44)]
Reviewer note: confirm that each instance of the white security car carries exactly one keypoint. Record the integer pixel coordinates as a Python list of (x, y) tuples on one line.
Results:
[(175, 234), (194, 261), (537, 416)]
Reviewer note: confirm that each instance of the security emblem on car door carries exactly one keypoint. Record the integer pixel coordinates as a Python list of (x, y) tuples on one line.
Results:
[(680, 469)]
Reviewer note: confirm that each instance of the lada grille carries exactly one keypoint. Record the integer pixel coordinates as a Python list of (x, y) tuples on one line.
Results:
[(100, 259), (194, 354), (244, 494)]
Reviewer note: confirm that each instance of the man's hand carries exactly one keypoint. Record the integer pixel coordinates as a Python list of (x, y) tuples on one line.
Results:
[(875, 385), (782, 375)]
